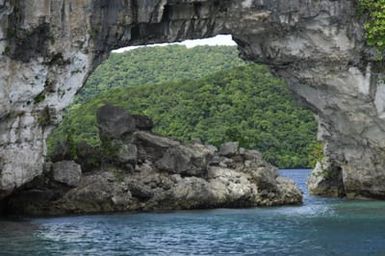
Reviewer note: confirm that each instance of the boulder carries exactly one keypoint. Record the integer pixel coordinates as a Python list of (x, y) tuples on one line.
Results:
[(288, 192), (231, 188), (185, 160), (252, 155), (114, 122), (67, 172), (326, 180), (229, 149), (152, 147), (190, 193), (264, 178)]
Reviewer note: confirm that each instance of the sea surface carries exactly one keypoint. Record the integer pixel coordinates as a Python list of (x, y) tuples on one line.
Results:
[(319, 227)]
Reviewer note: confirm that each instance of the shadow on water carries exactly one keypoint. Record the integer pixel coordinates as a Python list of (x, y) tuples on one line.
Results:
[(319, 227)]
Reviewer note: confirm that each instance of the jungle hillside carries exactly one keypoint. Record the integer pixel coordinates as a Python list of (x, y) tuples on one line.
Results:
[(203, 93)]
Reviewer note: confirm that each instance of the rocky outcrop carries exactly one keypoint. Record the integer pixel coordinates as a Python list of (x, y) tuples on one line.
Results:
[(48, 48), (67, 172), (164, 175), (326, 180)]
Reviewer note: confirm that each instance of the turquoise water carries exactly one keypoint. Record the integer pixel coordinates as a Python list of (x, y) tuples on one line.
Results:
[(319, 227)]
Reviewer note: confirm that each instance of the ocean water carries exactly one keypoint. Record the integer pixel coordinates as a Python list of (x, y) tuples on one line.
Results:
[(319, 227)]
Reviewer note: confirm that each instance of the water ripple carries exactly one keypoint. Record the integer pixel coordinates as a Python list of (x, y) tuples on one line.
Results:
[(319, 227)]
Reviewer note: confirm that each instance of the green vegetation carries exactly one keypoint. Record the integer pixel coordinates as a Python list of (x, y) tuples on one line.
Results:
[(44, 117), (39, 98), (375, 25), (154, 65), (172, 85)]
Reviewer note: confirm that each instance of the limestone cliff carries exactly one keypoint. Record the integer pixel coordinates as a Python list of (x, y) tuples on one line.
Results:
[(49, 47)]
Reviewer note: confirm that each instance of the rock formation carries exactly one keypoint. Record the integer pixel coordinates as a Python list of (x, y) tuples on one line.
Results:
[(141, 171), (49, 47)]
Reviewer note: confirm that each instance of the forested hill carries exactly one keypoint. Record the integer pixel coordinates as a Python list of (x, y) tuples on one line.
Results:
[(243, 102), (153, 65)]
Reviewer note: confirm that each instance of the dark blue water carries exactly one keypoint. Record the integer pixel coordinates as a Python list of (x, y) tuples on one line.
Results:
[(319, 227)]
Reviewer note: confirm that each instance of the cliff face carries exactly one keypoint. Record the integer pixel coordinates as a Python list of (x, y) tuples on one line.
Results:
[(49, 47)]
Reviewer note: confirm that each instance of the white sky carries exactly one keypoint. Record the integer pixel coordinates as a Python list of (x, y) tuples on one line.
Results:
[(218, 40)]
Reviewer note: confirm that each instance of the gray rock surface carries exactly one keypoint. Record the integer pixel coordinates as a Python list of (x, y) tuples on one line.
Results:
[(229, 149), (128, 153), (67, 172), (185, 160), (48, 49), (114, 122), (152, 147), (326, 180), (170, 176)]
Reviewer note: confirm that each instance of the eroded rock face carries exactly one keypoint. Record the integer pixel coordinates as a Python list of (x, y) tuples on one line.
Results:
[(49, 47), (178, 176), (67, 172), (229, 149)]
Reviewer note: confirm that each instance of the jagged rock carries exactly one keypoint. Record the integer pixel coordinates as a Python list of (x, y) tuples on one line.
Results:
[(232, 187), (185, 160), (114, 122), (252, 155), (326, 180), (140, 190), (67, 172), (169, 155), (100, 192), (288, 191), (170, 175), (215, 161), (152, 147), (229, 149), (181, 178), (226, 162)]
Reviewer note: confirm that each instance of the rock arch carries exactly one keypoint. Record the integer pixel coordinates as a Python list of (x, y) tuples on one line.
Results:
[(49, 47)]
